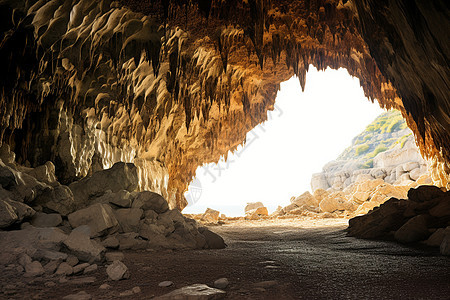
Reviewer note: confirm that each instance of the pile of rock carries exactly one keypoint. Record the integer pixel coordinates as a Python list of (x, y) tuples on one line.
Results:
[(255, 211), (423, 217), (52, 223), (401, 165)]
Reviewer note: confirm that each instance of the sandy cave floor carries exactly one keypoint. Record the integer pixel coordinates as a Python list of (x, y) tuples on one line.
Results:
[(308, 259)]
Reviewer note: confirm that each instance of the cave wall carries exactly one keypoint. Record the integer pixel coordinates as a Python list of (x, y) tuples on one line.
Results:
[(170, 85)]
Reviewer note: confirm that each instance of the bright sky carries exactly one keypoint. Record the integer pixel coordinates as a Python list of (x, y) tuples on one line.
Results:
[(303, 133)]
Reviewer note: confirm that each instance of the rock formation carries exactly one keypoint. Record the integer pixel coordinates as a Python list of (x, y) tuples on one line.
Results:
[(170, 85)]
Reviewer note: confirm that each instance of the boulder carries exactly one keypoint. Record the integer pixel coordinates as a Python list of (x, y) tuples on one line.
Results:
[(210, 216), (64, 269), (319, 181), (213, 240), (7, 177), (129, 218), (442, 209), (435, 240), (46, 220), (336, 201), (58, 199), (111, 242), (257, 213), (44, 173), (80, 245), (425, 193), (12, 212), (80, 268), (28, 240), (34, 269), (445, 245), (150, 201), (306, 199), (195, 291), (121, 176), (99, 217), (122, 199), (117, 271), (413, 231), (252, 206), (6, 155)]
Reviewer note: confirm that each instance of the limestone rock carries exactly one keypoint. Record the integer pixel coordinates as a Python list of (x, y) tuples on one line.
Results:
[(150, 201), (129, 218), (80, 245), (413, 231), (196, 291), (306, 199), (99, 217), (13, 212), (91, 269), (80, 268), (445, 245), (221, 283), (34, 269), (117, 271), (82, 295), (64, 269), (111, 242), (46, 220), (425, 193), (59, 199), (213, 240), (257, 213), (210, 216), (334, 202), (6, 155), (121, 176), (252, 206), (44, 173)]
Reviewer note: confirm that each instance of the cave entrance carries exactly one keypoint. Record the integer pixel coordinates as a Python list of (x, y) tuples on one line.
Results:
[(304, 132)]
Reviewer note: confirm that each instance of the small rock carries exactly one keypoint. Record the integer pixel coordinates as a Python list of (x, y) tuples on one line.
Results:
[(78, 296), (196, 291), (90, 269), (213, 240), (111, 242), (136, 290), (127, 293), (72, 260), (105, 286), (80, 268), (46, 220), (34, 269), (117, 271), (20, 269), (112, 256), (24, 259), (49, 284), (64, 269), (165, 283), (63, 280), (82, 280), (221, 283), (51, 267)]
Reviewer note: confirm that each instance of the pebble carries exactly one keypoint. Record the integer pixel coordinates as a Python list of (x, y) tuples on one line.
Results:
[(221, 283), (136, 290), (105, 286), (78, 296), (165, 283), (49, 284), (90, 269), (265, 284)]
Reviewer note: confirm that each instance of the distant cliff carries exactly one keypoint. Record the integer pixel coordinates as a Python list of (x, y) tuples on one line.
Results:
[(384, 150)]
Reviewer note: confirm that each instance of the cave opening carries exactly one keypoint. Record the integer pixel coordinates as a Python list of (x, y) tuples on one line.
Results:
[(304, 132)]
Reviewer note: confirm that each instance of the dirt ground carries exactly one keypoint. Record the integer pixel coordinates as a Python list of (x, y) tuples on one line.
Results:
[(303, 259)]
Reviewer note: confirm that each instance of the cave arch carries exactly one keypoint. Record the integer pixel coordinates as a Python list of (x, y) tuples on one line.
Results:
[(182, 85)]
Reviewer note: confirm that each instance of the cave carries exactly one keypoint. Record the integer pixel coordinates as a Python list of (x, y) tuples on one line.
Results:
[(113, 105)]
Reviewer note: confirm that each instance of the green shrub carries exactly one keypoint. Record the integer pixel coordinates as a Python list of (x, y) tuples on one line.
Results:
[(361, 149), (368, 164)]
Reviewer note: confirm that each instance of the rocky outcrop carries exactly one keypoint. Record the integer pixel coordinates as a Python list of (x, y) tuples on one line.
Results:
[(409, 220), (95, 83)]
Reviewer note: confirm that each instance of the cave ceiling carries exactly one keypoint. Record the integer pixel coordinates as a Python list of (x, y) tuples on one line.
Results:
[(170, 85)]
